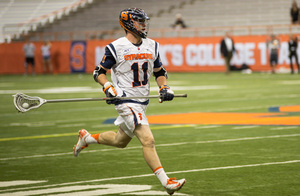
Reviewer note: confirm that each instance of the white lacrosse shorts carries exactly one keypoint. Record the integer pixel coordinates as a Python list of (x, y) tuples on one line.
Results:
[(131, 115)]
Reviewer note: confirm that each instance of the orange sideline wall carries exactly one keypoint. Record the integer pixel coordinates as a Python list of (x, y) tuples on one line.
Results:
[(178, 54)]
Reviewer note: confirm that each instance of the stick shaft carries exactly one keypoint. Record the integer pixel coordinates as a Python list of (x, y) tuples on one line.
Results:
[(106, 98)]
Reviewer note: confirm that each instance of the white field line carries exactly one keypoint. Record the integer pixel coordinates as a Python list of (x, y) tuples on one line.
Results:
[(72, 125), (52, 90), (158, 145), (285, 127), (20, 182), (86, 89), (148, 175), (234, 167), (208, 127), (245, 127), (103, 126)]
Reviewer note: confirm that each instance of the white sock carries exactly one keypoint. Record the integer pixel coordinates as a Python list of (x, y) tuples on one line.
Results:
[(92, 139), (161, 175)]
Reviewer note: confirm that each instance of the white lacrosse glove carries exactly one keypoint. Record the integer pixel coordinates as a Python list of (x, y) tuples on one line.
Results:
[(166, 94), (110, 91)]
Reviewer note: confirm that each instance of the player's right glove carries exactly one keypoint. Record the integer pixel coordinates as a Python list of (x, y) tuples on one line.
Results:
[(166, 94), (110, 91)]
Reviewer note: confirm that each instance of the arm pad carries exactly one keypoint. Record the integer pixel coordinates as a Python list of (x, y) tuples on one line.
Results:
[(98, 71), (161, 72)]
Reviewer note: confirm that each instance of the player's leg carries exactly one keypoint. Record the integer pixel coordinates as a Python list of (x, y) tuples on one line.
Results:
[(228, 59), (33, 66), (297, 63), (146, 138), (110, 138), (26, 66), (291, 63), (120, 139), (144, 134), (272, 64), (44, 65), (227, 64)]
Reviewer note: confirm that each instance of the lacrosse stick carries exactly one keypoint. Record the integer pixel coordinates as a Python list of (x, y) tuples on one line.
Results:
[(24, 103)]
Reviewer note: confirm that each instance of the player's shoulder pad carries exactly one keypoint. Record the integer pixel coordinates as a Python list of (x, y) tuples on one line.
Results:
[(120, 40), (150, 42)]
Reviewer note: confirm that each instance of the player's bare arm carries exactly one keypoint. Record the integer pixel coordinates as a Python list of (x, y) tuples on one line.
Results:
[(160, 80), (102, 79), (108, 87)]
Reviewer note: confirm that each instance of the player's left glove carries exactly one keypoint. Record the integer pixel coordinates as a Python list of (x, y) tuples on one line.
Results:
[(166, 94), (110, 92)]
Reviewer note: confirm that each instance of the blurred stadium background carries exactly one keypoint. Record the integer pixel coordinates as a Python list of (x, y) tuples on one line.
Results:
[(95, 22), (98, 19)]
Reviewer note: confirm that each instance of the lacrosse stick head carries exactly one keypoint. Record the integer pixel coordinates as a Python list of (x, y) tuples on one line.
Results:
[(24, 103)]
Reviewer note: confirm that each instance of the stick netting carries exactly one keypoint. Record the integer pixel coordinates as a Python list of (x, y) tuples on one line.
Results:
[(23, 102)]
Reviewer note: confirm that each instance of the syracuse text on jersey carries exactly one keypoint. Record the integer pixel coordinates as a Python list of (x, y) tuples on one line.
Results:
[(137, 56)]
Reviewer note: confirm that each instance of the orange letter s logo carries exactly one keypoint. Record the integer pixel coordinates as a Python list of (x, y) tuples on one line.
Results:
[(124, 15)]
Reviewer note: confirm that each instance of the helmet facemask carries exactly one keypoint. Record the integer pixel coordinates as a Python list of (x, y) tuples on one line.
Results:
[(142, 27)]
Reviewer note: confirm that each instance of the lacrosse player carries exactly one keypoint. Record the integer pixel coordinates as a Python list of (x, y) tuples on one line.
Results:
[(132, 60)]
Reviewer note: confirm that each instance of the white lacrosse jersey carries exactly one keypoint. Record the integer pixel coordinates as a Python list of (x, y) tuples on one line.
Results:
[(131, 66)]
